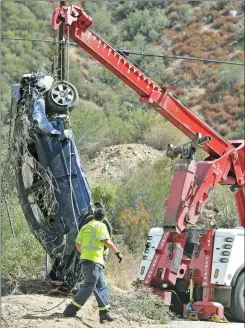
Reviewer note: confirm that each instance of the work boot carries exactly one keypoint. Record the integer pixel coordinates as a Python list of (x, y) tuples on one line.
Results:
[(105, 316), (70, 311)]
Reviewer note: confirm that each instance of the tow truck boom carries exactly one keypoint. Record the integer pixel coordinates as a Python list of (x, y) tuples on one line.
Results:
[(77, 24), (226, 162)]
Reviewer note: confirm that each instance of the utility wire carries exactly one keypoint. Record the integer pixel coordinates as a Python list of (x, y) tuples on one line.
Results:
[(152, 54), (126, 52), (36, 40)]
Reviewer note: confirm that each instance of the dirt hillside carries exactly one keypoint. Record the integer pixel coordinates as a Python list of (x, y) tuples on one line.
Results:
[(114, 162)]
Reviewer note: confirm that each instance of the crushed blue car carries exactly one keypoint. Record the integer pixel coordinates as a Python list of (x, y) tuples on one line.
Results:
[(51, 184)]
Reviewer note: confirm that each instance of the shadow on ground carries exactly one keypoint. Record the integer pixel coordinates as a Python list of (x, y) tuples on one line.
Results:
[(14, 286)]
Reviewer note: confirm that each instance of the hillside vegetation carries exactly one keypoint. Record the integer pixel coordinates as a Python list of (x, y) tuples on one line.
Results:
[(109, 113)]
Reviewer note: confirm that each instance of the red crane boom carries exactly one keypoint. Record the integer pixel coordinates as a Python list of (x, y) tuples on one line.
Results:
[(226, 159)]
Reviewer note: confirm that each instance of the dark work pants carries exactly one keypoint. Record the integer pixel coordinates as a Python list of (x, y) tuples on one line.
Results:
[(92, 282)]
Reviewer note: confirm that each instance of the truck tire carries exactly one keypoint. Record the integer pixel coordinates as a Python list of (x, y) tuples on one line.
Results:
[(61, 97), (89, 218), (237, 308)]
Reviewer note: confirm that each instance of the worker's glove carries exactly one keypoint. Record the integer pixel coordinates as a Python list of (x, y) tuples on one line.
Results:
[(119, 256)]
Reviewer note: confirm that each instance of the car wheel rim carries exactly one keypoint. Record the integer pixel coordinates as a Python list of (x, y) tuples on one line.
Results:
[(62, 94)]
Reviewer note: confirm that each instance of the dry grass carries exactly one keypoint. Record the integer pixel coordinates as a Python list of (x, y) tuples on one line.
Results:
[(140, 305), (133, 303), (122, 274)]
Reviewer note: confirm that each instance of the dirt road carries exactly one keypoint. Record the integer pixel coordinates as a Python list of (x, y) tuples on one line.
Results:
[(18, 312)]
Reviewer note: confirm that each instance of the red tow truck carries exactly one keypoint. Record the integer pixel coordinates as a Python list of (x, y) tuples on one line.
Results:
[(203, 267)]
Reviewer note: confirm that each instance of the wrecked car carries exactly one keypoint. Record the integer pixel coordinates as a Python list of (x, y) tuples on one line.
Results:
[(51, 184)]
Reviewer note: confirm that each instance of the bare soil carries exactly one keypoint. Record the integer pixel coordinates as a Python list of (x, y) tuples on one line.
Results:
[(18, 311), (117, 161)]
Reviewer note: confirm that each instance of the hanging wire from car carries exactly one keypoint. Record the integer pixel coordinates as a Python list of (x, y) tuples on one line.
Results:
[(126, 52), (54, 307), (69, 122)]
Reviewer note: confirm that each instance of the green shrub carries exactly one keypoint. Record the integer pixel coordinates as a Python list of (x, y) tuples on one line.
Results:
[(222, 202), (184, 10), (161, 134), (135, 224), (89, 124), (139, 123), (230, 76), (239, 36), (105, 193), (173, 18), (142, 21), (148, 187), (22, 255)]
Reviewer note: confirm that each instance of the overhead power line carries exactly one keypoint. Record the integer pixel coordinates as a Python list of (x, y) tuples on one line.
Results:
[(126, 52), (151, 54), (35, 40)]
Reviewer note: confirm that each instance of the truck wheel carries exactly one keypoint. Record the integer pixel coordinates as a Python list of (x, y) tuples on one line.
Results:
[(237, 308), (90, 218), (61, 97)]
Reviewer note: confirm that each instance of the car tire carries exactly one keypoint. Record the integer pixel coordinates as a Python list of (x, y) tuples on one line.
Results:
[(237, 308), (58, 100)]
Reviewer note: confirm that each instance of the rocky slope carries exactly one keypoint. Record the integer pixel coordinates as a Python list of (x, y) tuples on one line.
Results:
[(117, 161)]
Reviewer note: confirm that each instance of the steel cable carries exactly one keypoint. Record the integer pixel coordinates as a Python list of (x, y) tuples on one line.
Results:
[(134, 52)]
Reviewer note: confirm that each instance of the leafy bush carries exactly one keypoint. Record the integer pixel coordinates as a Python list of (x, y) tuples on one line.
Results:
[(161, 134), (239, 36), (91, 129), (22, 254), (19, 57), (135, 225), (143, 22), (105, 193), (173, 18), (147, 188), (222, 202), (184, 10), (231, 75)]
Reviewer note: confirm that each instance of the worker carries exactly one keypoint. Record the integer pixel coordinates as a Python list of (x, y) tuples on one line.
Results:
[(90, 243)]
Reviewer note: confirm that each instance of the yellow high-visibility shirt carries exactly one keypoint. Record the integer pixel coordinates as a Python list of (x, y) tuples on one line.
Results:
[(90, 238)]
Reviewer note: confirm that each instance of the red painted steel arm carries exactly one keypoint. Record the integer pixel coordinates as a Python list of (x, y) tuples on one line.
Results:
[(225, 161), (240, 201), (77, 23)]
